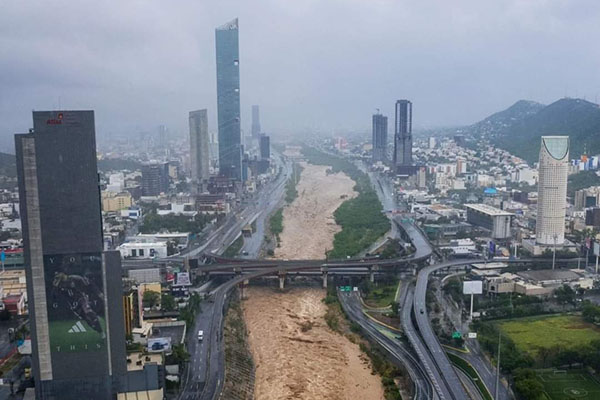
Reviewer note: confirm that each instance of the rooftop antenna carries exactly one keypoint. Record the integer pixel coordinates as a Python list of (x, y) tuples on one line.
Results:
[(377, 110)]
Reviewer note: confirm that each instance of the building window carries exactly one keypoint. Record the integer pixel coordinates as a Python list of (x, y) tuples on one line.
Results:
[(141, 252), (133, 253)]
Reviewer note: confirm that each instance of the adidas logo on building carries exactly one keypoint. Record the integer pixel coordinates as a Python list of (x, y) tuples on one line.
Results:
[(77, 328)]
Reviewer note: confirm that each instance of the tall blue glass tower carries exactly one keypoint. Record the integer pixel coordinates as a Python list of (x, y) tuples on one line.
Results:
[(228, 100)]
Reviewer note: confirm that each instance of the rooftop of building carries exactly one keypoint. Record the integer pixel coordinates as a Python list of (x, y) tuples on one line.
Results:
[(489, 210), (541, 275), (233, 24), (136, 361), (490, 265), (142, 395)]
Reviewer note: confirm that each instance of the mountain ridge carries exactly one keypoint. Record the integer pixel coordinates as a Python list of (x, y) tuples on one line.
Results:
[(519, 127)]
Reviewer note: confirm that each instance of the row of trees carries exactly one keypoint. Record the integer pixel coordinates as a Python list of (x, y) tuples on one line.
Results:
[(276, 225), (361, 218), (290, 187), (154, 223), (165, 301)]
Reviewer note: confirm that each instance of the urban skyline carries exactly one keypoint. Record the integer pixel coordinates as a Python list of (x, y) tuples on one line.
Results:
[(434, 59), (169, 264)]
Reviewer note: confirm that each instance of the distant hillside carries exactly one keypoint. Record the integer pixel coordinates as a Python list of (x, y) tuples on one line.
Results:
[(496, 123), (518, 128), (8, 165)]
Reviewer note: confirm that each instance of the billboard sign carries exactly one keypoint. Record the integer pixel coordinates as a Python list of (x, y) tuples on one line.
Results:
[(75, 294), (472, 287), (596, 248), (183, 279), (158, 345)]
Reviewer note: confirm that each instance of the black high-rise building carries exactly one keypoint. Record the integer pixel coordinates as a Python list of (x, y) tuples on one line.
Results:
[(74, 288), (403, 134), (379, 137), (228, 100), (265, 147), (155, 178)]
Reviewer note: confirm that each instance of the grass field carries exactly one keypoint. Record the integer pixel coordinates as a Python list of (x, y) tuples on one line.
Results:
[(382, 296), (573, 384), (546, 331)]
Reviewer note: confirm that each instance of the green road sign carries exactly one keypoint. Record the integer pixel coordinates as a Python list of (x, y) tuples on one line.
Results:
[(456, 335)]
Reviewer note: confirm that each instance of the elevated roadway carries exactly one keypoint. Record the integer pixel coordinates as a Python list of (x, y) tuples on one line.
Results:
[(351, 304)]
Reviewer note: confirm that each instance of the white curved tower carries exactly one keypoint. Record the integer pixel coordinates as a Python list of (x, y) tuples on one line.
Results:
[(552, 190)]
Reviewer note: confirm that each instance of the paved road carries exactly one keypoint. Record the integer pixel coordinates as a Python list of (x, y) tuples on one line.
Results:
[(475, 356), (454, 385), (194, 378), (435, 377), (386, 339), (268, 201)]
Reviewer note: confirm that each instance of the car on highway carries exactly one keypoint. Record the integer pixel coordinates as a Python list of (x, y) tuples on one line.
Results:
[(200, 335), (422, 312)]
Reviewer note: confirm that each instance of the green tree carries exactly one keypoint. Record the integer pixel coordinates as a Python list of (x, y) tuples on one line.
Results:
[(150, 299), (590, 312), (529, 389), (565, 295), (180, 354), (167, 302)]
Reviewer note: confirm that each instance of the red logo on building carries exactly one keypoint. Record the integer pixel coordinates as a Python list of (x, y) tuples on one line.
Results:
[(55, 121)]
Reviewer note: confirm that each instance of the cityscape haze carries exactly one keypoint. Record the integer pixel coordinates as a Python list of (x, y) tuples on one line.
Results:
[(303, 248), (458, 63)]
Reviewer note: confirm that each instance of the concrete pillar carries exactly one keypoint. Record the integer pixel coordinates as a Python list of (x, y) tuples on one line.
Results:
[(372, 270), (281, 280), (237, 270), (324, 274)]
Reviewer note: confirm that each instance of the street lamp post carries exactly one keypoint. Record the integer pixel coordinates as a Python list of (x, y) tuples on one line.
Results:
[(554, 253)]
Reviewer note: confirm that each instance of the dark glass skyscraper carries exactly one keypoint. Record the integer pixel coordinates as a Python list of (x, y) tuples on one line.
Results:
[(255, 122), (199, 148), (265, 147), (228, 100), (403, 134), (379, 137), (155, 178), (74, 288)]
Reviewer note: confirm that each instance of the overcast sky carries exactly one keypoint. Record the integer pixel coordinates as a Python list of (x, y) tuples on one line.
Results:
[(320, 65)]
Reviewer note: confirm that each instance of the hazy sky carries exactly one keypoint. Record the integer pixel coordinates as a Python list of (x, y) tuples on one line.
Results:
[(310, 64)]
